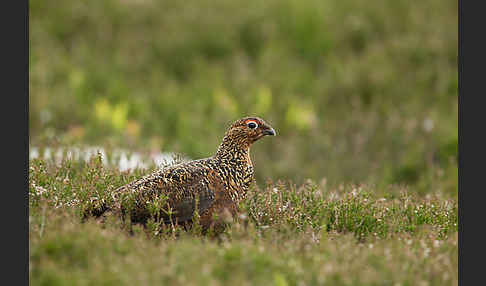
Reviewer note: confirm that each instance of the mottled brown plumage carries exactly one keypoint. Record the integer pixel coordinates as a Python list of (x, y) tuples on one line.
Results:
[(216, 184)]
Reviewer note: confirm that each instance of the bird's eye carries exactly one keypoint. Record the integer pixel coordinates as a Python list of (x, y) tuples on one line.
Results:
[(252, 125)]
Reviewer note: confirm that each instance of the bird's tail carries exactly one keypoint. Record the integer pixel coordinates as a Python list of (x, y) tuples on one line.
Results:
[(96, 209)]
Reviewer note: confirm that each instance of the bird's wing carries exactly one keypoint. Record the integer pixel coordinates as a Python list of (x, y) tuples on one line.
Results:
[(173, 193), (195, 191)]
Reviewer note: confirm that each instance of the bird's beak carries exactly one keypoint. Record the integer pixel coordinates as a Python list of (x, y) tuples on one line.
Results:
[(269, 131)]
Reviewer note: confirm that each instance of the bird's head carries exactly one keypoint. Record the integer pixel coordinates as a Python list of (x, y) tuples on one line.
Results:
[(249, 129), (245, 132)]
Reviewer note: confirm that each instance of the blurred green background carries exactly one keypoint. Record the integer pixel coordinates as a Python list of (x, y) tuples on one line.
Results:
[(358, 91)]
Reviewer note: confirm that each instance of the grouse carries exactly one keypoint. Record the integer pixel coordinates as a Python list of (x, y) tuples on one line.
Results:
[(212, 186)]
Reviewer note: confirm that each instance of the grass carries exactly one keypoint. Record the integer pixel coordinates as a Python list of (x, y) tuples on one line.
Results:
[(358, 188), (312, 234)]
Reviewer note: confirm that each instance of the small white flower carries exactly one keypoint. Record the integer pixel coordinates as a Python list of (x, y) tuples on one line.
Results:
[(428, 125)]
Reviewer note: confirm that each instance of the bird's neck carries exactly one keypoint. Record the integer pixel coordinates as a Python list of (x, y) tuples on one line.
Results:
[(234, 166), (234, 151)]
